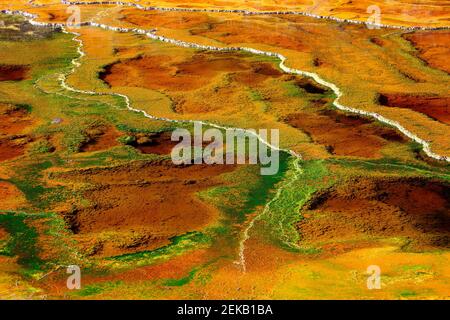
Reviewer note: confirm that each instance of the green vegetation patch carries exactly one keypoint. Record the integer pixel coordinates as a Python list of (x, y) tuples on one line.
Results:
[(97, 288), (25, 229), (23, 238), (282, 214), (178, 245)]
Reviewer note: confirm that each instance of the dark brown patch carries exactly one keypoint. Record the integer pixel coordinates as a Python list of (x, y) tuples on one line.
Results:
[(433, 47), (101, 139), (437, 108), (12, 147), (13, 120), (157, 199), (378, 41), (345, 135), (9, 72), (415, 208), (159, 143)]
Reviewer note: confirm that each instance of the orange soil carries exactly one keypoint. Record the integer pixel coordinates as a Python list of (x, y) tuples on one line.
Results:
[(172, 20), (102, 139), (155, 199), (13, 72), (160, 73), (11, 197), (232, 32), (437, 108), (10, 148), (345, 135), (259, 72), (3, 234), (13, 121), (433, 47), (408, 207)]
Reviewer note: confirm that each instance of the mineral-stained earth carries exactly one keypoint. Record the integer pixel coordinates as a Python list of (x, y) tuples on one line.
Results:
[(91, 92)]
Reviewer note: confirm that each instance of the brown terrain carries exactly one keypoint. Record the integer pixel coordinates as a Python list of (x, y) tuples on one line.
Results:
[(381, 207), (437, 108), (101, 139), (158, 143), (160, 73), (13, 72), (12, 198), (173, 20), (433, 48), (13, 121), (345, 135), (232, 32), (154, 199), (12, 147)]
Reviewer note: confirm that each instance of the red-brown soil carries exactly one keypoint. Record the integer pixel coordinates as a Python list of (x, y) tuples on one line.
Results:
[(11, 197), (13, 120), (345, 135), (57, 15), (232, 32), (12, 147), (13, 72), (156, 199), (172, 20), (159, 143), (437, 108), (390, 207), (3, 234), (159, 73), (101, 139), (309, 86), (378, 41), (433, 47)]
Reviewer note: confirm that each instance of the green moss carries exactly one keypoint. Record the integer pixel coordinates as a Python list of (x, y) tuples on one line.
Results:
[(24, 106), (182, 281), (177, 246), (256, 95), (41, 147), (29, 183), (283, 214), (407, 294), (395, 166), (96, 289), (23, 238), (127, 140)]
